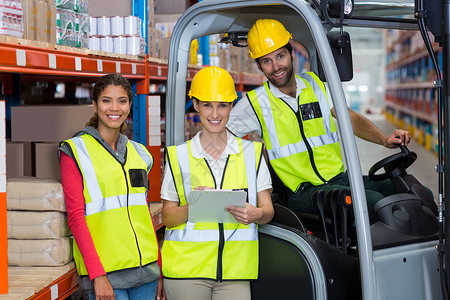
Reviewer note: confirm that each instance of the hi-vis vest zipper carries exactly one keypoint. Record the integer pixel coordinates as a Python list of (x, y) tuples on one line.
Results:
[(303, 146), (116, 208), (209, 250)]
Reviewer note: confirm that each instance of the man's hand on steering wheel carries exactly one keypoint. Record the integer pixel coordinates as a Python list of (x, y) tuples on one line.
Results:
[(398, 137)]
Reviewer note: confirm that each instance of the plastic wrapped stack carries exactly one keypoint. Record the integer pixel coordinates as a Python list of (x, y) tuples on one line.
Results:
[(72, 23), (117, 34), (38, 234), (11, 14)]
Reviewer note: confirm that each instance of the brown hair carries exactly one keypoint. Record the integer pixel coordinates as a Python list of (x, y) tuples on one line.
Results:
[(288, 47), (101, 84)]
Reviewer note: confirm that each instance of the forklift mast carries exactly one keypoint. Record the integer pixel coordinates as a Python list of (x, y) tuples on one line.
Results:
[(446, 123), (309, 23)]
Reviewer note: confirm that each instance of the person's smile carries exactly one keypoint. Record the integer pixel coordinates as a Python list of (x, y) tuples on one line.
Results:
[(114, 117), (215, 122), (279, 73)]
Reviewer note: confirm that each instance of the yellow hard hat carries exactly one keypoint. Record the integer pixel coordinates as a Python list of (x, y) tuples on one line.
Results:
[(265, 36), (213, 84)]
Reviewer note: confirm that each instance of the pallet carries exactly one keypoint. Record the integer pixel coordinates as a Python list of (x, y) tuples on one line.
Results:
[(24, 282)]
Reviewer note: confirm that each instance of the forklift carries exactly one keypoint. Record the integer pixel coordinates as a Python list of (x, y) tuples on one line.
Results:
[(403, 255)]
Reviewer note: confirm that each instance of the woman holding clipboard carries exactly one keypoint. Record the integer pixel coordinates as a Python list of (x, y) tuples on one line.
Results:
[(205, 261)]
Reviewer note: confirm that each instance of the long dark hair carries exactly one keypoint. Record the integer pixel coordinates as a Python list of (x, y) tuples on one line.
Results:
[(101, 84)]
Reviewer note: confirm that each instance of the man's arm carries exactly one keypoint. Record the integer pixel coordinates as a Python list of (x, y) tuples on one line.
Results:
[(243, 119), (366, 130)]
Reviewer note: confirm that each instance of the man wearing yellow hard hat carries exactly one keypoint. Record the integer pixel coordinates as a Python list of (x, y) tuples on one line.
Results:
[(294, 117), (214, 260)]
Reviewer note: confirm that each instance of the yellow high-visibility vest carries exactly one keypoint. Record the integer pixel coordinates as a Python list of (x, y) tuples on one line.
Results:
[(209, 250), (303, 146), (116, 208)]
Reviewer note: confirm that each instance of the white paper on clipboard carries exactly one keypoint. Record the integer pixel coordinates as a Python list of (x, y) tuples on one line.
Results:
[(208, 206)]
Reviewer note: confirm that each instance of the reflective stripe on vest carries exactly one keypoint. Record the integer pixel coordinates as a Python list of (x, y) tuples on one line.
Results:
[(114, 207), (310, 155), (328, 138), (100, 204), (113, 203), (88, 168), (228, 251), (189, 234), (143, 154), (250, 161), (183, 162), (299, 147)]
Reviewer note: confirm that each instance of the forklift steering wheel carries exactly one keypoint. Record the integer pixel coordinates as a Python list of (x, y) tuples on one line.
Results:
[(393, 165)]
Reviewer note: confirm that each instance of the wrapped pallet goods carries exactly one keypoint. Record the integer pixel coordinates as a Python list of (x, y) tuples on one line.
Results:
[(39, 253), (116, 34), (38, 234), (35, 194), (72, 23), (37, 225), (11, 18)]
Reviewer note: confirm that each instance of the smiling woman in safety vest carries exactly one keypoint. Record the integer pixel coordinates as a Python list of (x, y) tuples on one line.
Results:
[(104, 176), (205, 261)]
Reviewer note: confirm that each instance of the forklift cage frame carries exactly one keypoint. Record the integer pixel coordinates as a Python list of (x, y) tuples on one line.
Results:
[(216, 16)]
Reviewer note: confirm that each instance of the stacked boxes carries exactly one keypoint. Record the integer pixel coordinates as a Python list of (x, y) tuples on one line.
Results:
[(154, 120), (233, 58), (214, 59), (72, 23), (39, 21), (154, 39), (164, 25), (32, 150), (11, 15)]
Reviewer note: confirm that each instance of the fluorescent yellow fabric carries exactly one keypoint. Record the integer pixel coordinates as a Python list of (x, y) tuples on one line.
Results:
[(210, 250), (281, 131), (116, 213)]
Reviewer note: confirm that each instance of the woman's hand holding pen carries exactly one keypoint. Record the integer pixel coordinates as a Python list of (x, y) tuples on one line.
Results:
[(251, 214), (246, 215)]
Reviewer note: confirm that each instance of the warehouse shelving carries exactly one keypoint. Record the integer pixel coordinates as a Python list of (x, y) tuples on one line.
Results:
[(411, 96), (22, 59), (26, 60), (61, 288)]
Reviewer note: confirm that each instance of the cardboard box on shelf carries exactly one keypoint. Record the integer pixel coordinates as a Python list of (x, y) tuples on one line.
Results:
[(151, 13), (154, 38), (224, 59), (48, 123), (167, 18), (34, 19), (164, 48), (99, 8), (19, 159), (165, 27), (170, 6), (46, 160), (50, 24)]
